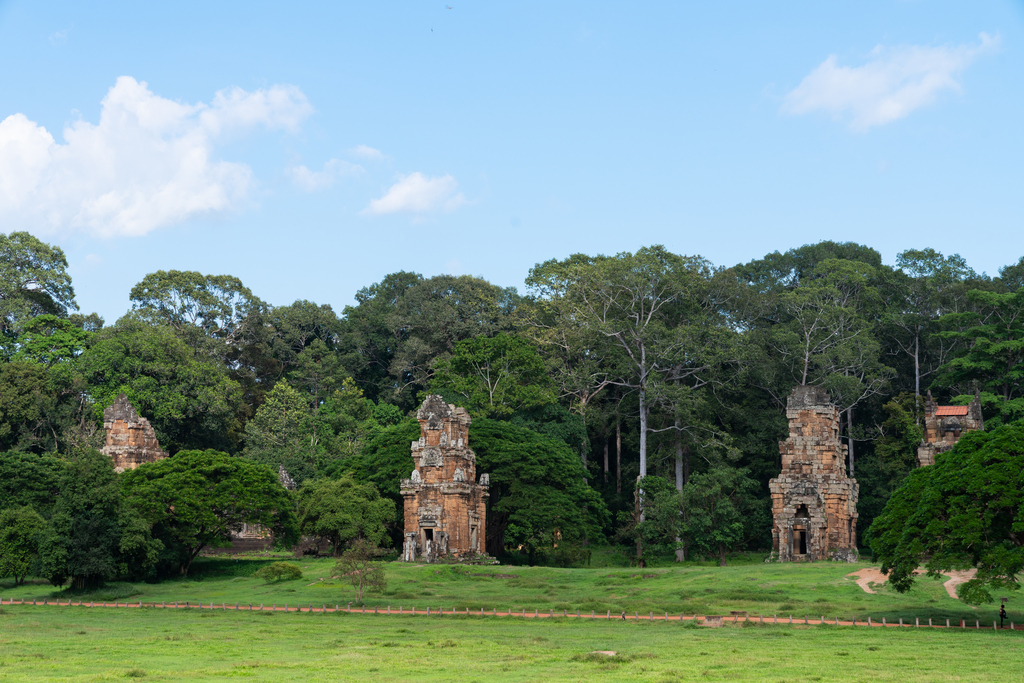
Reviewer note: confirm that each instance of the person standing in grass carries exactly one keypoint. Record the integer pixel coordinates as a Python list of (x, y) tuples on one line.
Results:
[(1002, 615)]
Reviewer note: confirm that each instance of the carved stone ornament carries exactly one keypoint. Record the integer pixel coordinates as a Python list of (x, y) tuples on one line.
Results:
[(431, 458), (485, 479), (415, 477), (430, 512), (459, 475)]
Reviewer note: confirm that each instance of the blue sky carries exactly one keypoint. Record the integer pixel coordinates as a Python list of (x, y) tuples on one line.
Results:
[(310, 149)]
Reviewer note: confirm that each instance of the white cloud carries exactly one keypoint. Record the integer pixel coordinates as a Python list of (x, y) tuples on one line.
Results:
[(59, 37), (417, 193), (367, 152), (310, 181), (148, 163), (894, 83)]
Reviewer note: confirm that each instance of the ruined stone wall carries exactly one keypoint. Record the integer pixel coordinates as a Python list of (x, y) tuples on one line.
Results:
[(444, 504), (944, 425), (814, 503), (131, 440)]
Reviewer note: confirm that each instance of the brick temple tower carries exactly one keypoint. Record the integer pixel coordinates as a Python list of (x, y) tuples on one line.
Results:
[(445, 507), (814, 503), (944, 425), (131, 440)]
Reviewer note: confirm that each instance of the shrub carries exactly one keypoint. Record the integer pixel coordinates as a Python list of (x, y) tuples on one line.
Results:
[(279, 571)]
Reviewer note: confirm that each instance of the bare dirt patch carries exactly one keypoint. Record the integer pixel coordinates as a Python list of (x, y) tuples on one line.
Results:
[(955, 579), (873, 575)]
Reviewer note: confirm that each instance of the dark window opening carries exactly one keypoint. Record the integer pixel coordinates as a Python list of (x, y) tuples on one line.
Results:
[(429, 533), (802, 512)]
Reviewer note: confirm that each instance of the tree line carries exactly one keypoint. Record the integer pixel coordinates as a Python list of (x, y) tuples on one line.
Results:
[(636, 399)]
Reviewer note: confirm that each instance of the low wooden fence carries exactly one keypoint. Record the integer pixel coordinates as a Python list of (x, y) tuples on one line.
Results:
[(523, 613)]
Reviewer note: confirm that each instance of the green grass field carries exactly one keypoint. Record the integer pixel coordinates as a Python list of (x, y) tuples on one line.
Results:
[(81, 644), (819, 589), (76, 643)]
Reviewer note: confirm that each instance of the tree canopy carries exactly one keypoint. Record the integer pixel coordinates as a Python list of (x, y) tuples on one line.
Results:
[(197, 498), (965, 511)]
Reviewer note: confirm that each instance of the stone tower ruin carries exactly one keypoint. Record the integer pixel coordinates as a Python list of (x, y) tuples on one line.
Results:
[(131, 440), (814, 503), (445, 507), (944, 425)]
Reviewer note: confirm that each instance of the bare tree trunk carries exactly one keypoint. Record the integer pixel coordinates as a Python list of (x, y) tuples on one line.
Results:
[(679, 459), (643, 432), (618, 454)]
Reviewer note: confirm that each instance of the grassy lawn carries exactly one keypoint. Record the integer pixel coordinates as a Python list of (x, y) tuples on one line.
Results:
[(81, 644), (819, 589)]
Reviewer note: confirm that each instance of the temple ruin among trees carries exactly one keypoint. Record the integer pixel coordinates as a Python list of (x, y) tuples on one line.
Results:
[(944, 425), (131, 440), (814, 503), (445, 507)]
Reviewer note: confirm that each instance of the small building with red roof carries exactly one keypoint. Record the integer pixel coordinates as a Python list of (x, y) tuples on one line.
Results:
[(944, 425)]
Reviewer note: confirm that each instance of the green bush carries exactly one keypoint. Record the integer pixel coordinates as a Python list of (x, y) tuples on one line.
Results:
[(279, 571)]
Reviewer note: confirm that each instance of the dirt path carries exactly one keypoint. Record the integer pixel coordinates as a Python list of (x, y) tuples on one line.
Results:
[(955, 579), (711, 621), (874, 575), (868, 576)]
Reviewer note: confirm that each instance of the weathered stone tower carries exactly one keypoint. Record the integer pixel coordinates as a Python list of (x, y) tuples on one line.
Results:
[(814, 503), (445, 508), (944, 425), (131, 440)]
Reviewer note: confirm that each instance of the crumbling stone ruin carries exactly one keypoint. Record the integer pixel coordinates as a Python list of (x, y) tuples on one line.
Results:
[(944, 425), (131, 440), (445, 507), (814, 503)]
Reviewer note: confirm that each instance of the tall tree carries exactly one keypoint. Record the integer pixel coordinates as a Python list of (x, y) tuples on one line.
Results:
[(494, 376), (717, 511), (287, 432), (216, 304), (409, 322), (43, 409), (965, 511), (92, 536), (20, 529), (188, 396), (656, 311), (343, 510), (538, 490), (370, 340), (49, 340), (33, 281), (29, 480), (823, 332), (197, 498), (924, 286), (994, 333)]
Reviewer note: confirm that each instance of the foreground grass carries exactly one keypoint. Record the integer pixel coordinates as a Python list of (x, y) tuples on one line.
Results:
[(82, 644), (819, 589)]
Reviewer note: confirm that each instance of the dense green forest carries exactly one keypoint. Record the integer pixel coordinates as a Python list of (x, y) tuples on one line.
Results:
[(603, 370)]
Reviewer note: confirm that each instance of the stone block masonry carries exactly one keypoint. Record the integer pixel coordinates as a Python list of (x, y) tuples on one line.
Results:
[(131, 440), (814, 503), (445, 506), (944, 425)]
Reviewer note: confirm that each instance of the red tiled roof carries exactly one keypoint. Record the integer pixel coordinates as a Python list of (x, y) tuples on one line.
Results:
[(946, 411)]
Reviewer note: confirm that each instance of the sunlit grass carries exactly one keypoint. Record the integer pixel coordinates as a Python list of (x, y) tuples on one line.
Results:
[(814, 590), (82, 644)]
